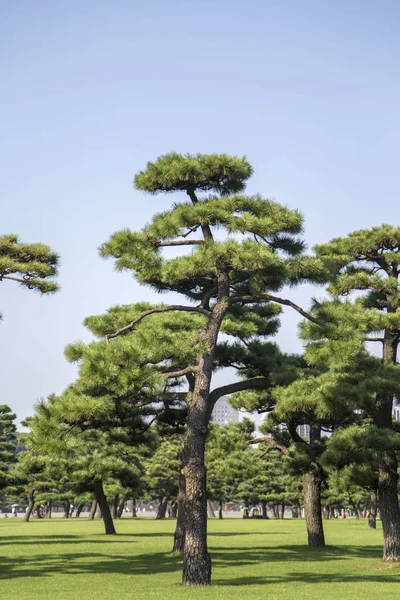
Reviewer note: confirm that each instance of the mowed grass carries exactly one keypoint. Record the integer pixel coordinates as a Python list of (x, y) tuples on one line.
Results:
[(65, 559)]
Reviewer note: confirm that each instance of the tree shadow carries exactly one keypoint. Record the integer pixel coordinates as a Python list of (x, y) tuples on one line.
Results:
[(223, 557)]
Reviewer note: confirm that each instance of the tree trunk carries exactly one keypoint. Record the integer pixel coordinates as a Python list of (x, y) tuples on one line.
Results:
[(282, 511), (372, 511), (174, 510), (275, 511), (105, 509), (220, 514), (264, 509), (196, 560), (210, 510), (99, 513), (39, 516), (31, 504), (79, 509), (66, 509), (312, 509), (162, 507), (180, 529), (121, 507), (114, 510), (387, 471), (49, 509), (93, 509), (134, 514)]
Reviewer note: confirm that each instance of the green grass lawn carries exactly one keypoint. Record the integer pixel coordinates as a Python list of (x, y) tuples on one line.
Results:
[(63, 559)]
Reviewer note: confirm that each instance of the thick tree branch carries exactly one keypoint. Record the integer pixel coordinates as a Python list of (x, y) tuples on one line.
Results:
[(181, 243), (191, 369), (272, 443), (258, 383), (161, 309), (269, 298), (24, 281)]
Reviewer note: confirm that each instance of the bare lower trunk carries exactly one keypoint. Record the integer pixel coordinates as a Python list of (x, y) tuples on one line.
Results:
[(312, 509), (162, 507), (114, 505), (389, 506), (275, 511), (121, 507), (66, 509), (105, 509), (31, 504), (220, 510), (180, 530), (372, 511), (93, 509), (387, 471), (79, 510), (49, 509), (210, 510), (196, 560), (134, 508), (264, 509), (282, 511)]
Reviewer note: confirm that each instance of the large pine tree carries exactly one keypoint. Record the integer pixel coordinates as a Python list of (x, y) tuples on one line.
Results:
[(242, 249)]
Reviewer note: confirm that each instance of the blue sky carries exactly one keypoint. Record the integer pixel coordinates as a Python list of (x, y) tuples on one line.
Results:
[(308, 90)]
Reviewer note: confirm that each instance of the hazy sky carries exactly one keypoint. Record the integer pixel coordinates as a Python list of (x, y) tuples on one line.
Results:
[(91, 90)]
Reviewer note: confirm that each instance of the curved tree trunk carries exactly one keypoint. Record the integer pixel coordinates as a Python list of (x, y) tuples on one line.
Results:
[(372, 511), (220, 514), (105, 509), (79, 509), (49, 509), (93, 509), (162, 507), (121, 507), (31, 504), (312, 509)]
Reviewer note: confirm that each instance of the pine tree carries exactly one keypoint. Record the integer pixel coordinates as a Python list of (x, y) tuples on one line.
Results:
[(256, 252), (8, 441), (368, 262), (34, 266)]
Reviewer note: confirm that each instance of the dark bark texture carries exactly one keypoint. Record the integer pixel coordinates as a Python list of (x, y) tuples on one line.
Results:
[(372, 510), (312, 509), (162, 507), (31, 504), (180, 530), (93, 509), (387, 472), (105, 509)]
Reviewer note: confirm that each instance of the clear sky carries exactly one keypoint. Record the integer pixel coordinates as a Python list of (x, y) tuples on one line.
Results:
[(309, 90)]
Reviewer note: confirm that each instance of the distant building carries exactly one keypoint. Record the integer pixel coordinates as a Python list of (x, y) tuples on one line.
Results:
[(224, 413), (304, 432), (396, 412)]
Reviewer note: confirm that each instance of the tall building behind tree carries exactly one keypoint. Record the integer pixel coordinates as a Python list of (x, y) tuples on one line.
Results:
[(224, 413)]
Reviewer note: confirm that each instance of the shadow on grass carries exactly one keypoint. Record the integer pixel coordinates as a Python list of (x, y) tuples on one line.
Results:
[(81, 563)]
